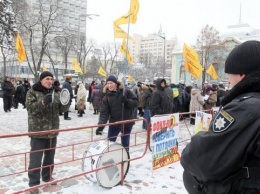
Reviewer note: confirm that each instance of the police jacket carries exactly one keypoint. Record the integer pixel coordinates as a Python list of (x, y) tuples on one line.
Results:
[(116, 105), (232, 145), (42, 117)]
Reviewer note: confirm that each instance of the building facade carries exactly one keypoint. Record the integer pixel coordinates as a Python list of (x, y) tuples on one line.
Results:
[(231, 37), (73, 14)]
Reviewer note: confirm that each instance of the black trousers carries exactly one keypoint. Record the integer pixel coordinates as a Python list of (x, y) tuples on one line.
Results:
[(7, 102), (66, 114), (36, 161)]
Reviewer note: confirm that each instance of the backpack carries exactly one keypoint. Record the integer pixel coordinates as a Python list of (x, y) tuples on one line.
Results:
[(175, 92)]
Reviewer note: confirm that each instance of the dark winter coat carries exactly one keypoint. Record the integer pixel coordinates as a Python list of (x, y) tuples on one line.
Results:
[(161, 102), (147, 97), (7, 88), (112, 109), (67, 85), (43, 117), (220, 95), (232, 143), (95, 97)]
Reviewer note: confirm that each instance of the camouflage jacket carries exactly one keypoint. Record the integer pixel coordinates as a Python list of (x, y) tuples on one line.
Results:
[(43, 117)]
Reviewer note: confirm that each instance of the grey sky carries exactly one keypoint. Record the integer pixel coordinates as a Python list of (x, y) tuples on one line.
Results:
[(183, 18)]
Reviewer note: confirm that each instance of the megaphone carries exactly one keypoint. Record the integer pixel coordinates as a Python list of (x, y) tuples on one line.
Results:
[(64, 96)]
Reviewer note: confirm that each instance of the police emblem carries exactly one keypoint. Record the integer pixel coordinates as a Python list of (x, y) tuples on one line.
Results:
[(222, 121)]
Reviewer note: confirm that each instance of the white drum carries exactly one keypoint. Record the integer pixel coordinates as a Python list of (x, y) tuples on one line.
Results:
[(105, 153)]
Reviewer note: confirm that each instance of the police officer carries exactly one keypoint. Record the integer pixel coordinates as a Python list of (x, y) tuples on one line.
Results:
[(226, 159)]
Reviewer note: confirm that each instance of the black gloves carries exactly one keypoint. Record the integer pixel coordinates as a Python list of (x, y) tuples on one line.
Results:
[(47, 98), (99, 130)]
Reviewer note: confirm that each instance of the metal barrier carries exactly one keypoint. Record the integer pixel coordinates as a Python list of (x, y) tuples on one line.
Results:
[(17, 162)]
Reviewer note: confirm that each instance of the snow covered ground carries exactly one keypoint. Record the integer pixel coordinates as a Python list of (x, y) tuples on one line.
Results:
[(140, 178)]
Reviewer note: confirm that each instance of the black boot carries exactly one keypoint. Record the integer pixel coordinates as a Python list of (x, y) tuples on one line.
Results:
[(80, 114)]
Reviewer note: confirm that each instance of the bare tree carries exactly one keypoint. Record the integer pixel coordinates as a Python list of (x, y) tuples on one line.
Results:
[(210, 47), (36, 26)]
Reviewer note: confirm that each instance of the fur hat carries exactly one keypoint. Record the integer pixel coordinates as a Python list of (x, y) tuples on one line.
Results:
[(244, 58), (45, 74), (112, 78)]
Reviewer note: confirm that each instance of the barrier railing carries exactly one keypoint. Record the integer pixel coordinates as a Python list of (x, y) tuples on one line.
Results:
[(69, 152)]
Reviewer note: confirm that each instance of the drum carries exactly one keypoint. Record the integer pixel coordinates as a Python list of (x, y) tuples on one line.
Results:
[(105, 153)]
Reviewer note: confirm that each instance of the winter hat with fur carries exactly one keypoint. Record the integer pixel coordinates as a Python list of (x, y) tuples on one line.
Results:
[(244, 58)]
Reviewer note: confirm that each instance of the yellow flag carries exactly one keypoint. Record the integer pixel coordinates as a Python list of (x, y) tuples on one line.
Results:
[(130, 78), (190, 53), (78, 69), (74, 64), (102, 72), (119, 33), (44, 68), (123, 50), (20, 49), (192, 63), (132, 13), (212, 72)]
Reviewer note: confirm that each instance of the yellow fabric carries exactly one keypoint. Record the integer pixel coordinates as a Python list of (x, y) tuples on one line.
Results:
[(192, 63), (76, 66), (131, 16), (20, 49), (125, 52), (119, 33), (212, 72), (102, 72), (130, 78), (44, 68)]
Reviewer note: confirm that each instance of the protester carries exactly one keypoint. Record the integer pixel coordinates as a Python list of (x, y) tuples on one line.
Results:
[(67, 85), (95, 99), (221, 92), (7, 88), (212, 99), (81, 98), (196, 103), (117, 105), (161, 102), (226, 159), (19, 96), (147, 96), (43, 114)]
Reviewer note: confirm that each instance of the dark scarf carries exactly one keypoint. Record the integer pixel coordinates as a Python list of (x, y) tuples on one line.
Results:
[(251, 83), (38, 87)]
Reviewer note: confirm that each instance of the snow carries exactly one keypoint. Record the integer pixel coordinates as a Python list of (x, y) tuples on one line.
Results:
[(140, 178)]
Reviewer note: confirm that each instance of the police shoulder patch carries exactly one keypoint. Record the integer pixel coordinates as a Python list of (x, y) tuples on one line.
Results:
[(222, 121)]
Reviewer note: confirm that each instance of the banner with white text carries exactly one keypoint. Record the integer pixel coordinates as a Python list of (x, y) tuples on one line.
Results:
[(165, 134)]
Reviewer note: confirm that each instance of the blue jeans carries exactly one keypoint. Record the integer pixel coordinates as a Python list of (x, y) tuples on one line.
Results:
[(147, 116), (114, 130)]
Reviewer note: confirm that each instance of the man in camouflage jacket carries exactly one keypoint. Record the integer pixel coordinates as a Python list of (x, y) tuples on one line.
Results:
[(44, 107)]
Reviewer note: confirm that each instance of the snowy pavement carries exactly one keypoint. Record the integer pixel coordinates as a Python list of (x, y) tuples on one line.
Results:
[(140, 178)]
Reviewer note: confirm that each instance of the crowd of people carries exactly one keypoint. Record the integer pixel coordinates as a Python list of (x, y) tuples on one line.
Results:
[(225, 159)]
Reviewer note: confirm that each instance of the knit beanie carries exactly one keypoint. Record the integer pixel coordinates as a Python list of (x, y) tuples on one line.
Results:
[(45, 74), (112, 78), (244, 58)]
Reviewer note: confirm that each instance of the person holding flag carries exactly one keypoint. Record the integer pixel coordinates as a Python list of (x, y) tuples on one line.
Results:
[(117, 105)]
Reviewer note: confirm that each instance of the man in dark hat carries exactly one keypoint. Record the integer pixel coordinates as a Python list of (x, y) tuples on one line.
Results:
[(226, 159), (43, 106), (117, 105)]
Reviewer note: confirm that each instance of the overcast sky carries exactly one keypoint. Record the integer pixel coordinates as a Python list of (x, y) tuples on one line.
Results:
[(181, 18)]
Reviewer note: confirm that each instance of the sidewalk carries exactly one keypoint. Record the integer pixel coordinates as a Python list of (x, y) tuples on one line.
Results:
[(139, 179)]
